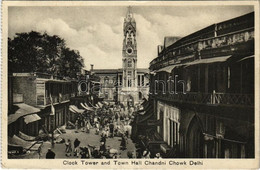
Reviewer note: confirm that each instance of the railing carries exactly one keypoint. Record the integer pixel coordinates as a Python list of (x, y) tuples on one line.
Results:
[(233, 99), (228, 43), (208, 98), (47, 76)]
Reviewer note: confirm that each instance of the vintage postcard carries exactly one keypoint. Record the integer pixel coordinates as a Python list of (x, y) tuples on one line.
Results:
[(130, 84)]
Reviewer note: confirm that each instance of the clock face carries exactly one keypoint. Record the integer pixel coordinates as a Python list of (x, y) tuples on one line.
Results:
[(129, 51)]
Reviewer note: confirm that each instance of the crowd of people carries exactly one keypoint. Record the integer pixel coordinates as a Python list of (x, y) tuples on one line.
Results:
[(107, 121)]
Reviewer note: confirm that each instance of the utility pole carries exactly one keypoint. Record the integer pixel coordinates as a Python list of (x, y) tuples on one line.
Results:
[(52, 134)]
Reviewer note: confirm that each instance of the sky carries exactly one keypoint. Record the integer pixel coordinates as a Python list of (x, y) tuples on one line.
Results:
[(97, 31)]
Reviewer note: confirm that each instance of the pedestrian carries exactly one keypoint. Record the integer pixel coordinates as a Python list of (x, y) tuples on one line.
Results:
[(123, 143), (85, 152), (77, 124), (76, 147), (68, 148), (96, 153), (97, 128), (111, 128), (107, 132), (146, 154), (102, 148), (39, 151), (158, 156), (87, 127), (130, 154), (103, 138), (126, 133), (50, 154), (95, 119)]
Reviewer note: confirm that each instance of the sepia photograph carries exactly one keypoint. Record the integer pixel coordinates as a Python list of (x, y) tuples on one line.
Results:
[(154, 82)]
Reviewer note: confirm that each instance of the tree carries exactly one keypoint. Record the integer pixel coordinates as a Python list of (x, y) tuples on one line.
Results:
[(36, 52)]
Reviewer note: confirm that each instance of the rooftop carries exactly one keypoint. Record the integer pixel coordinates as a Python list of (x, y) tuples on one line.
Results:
[(115, 71)]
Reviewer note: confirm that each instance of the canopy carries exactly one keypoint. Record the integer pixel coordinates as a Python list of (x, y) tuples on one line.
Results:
[(97, 106), (105, 102), (92, 105), (89, 107), (86, 107), (169, 68), (31, 118), (100, 104), (76, 109), (15, 140), (72, 110), (26, 137), (23, 110), (245, 58), (208, 60)]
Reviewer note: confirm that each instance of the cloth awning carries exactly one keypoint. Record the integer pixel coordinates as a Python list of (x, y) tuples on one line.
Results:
[(169, 68), (26, 137), (75, 109), (15, 140), (31, 118), (245, 58), (100, 104), (86, 107), (208, 60), (23, 110)]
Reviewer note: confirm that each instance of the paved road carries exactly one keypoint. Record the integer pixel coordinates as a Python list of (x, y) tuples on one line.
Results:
[(85, 139)]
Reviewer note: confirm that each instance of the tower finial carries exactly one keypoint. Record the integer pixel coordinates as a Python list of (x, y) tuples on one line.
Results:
[(129, 12)]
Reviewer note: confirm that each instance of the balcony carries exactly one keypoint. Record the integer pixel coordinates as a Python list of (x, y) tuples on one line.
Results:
[(57, 99), (227, 99), (47, 76), (240, 42)]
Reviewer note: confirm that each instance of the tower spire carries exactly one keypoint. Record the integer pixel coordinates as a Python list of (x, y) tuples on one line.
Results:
[(129, 12)]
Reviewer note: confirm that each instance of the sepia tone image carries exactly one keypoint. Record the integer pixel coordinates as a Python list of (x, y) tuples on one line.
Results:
[(150, 82)]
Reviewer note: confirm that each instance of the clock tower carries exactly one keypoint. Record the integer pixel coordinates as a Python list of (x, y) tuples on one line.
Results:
[(129, 60)]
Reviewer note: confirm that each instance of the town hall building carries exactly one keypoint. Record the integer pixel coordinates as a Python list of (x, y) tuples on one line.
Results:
[(129, 84)]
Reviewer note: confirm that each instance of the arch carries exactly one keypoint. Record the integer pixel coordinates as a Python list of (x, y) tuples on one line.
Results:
[(195, 139)]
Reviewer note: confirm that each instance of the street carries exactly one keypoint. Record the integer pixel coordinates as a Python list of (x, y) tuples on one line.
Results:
[(85, 139)]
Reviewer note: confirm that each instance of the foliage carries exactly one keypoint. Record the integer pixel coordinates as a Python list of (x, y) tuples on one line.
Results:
[(36, 52)]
